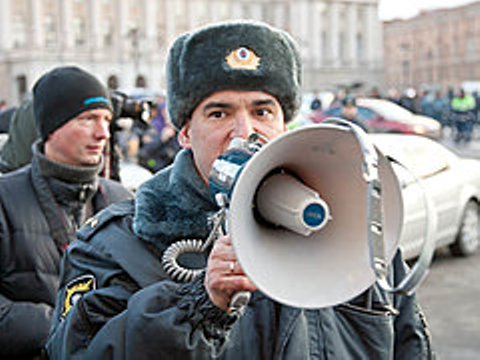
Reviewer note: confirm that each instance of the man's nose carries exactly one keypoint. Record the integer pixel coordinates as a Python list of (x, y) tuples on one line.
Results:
[(243, 126), (102, 129)]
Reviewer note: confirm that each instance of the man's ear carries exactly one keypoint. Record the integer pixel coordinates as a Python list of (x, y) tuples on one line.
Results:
[(184, 136)]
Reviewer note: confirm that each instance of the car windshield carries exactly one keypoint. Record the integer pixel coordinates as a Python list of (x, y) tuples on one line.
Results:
[(363, 114), (387, 110)]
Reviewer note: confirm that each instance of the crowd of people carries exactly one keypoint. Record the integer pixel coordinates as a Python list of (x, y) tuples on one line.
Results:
[(456, 110), (83, 279)]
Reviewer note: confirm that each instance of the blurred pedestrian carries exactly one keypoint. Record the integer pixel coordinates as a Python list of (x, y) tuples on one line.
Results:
[(43, 203), (349, 111), (440, 108), (409, 100), (5, 119), (426, 103), (463, 116), (160, 149), (22, 133)]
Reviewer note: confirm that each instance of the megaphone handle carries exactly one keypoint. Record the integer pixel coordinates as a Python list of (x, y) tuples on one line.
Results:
[(238, 302)]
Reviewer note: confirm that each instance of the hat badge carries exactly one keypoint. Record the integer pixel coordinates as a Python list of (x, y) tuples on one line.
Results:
[(243, 59)]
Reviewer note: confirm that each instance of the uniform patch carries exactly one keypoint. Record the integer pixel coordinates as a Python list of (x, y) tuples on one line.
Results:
[(243, 59), (75, 289)]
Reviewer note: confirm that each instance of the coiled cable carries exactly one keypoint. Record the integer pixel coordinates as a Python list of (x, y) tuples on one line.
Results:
[(169, 259)]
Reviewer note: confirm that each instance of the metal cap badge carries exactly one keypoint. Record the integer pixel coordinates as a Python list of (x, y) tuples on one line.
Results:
[(243, 59)]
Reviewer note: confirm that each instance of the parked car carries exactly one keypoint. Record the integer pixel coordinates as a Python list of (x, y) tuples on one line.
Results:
[(451, 182), (384, 116)]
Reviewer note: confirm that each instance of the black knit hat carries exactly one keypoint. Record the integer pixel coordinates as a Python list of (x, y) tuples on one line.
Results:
[(240, 55), (62, 94)]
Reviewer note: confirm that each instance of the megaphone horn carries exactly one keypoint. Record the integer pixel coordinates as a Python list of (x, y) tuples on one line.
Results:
[(315, 216), (328, 265)]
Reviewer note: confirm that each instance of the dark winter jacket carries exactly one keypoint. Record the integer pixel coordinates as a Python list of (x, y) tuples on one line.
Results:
[(35, 228), (22, 134), (126, 307)]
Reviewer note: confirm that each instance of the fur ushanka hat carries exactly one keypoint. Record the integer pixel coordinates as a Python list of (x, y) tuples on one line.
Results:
[(240, 55)]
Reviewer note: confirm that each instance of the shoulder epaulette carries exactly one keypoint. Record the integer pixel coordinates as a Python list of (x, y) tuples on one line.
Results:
[(104, 217)]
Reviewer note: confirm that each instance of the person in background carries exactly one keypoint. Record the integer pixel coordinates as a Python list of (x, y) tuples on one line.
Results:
[(44, 203), (463, 116), (22, 133), (350, 112), (226, 80), (440, 108)]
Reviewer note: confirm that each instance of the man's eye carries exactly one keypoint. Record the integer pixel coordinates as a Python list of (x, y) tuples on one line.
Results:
[(263, 112), (216, 114), (88, 118)]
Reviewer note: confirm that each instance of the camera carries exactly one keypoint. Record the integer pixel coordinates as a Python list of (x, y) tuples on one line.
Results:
[(133, 108)]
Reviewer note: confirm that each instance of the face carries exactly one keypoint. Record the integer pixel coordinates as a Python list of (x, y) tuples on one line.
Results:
[(80, 141), (225, 115), (349, 111)]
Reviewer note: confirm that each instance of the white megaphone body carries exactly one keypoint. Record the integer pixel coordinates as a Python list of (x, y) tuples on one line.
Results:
[(319, 267), (315, 215)]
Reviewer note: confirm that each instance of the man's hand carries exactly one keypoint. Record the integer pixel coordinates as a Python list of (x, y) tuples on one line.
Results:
[(224, 275)]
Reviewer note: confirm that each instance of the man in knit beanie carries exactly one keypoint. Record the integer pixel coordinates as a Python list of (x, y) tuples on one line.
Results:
[(226, 80), (44, 203)]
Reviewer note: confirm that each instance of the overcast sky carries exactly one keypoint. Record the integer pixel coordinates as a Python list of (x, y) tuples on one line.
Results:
[(394, 9)]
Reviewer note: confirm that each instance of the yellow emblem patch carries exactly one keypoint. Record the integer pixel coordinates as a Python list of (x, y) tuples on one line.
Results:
[(75, 290), (243, 59)]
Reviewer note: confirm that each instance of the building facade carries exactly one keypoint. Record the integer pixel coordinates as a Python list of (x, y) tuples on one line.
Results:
[(124, 42), (436, 49)]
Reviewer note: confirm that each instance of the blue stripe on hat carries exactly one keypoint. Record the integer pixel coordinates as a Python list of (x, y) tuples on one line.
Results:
[(96, 99)]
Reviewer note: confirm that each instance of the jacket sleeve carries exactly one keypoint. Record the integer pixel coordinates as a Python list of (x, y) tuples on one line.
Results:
[(117, 319), (24, 325), (412, 335)]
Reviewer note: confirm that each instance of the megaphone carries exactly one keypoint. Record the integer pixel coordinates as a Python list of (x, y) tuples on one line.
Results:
[(315, 215), (329, 265)]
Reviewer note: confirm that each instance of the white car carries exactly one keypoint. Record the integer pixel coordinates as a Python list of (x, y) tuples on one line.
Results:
[(453, 184)]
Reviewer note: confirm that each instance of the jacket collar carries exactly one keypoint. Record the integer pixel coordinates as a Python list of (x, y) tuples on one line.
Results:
[(174, 204)]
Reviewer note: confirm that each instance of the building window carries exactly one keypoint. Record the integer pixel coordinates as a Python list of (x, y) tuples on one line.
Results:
[(429, 56), (141, 81), (112, 82), (161, 42), (21, 86), (324, 44), (50, 31), (406, 69), (359, 51), (79, 29), (19, 33), (470, 47), (108, 33), (342, 43)]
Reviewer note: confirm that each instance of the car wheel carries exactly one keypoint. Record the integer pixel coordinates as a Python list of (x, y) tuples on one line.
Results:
[(468, 237)]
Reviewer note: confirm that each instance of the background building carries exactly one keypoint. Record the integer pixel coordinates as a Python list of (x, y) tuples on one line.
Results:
[(124, 42), (439, 48)]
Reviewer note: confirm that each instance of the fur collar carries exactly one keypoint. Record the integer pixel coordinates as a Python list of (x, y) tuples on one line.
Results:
[(173, 204)]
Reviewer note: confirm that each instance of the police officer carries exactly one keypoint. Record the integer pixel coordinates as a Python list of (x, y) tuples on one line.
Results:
[(225, 80)]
